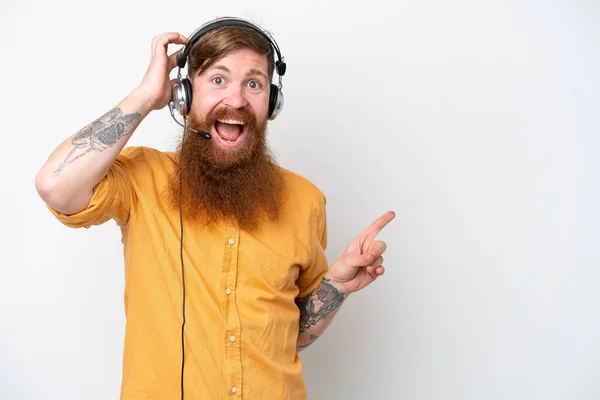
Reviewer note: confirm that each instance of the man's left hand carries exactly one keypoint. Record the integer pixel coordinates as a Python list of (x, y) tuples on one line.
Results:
[(362, 260)]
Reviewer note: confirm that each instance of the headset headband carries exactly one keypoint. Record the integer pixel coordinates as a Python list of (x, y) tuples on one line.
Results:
[(280, 66)]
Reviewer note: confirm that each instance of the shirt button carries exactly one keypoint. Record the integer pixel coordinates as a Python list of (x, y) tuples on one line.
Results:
[(232, 339), (234, 390), (231, 241), (228, 291)]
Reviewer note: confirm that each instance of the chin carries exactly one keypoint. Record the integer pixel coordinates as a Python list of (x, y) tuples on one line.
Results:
[(226, 157)]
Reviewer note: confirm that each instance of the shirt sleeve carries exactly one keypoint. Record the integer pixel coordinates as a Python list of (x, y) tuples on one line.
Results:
[(310, 277), (112, 198)]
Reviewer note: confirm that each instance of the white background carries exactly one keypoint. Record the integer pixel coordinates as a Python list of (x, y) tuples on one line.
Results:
[(476, 121)]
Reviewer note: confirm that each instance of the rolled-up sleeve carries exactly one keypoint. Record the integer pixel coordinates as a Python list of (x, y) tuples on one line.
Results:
[(311, 276), (112, 199)]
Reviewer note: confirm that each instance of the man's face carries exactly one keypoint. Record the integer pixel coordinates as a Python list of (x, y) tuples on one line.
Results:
[(228, 96)]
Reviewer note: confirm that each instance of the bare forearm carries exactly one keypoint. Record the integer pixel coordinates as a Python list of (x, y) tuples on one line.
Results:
[(67, 179), (317, 311)]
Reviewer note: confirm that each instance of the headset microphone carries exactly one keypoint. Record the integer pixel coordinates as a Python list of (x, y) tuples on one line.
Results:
[(205, 135)]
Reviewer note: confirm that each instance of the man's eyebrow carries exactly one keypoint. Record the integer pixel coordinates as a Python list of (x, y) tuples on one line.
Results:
[(252, 72)]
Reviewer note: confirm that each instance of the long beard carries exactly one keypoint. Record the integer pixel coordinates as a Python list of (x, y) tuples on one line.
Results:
[(243, 186)]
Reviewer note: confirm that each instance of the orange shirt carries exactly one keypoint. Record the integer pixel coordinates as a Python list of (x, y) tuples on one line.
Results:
[(241, 318)]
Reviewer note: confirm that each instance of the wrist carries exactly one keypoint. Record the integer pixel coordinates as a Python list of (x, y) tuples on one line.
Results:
[(339, 286), (142, 100)]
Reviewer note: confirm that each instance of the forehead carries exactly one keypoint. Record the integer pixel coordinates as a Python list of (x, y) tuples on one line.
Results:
[(243, 59)]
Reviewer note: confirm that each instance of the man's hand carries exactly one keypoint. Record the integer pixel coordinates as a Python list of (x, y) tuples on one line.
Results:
[(362, 260), (156, 85)]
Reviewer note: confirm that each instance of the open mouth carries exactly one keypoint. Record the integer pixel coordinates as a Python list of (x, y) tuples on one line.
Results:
[(231, 132)]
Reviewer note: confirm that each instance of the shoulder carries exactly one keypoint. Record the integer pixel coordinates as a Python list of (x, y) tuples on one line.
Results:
[(145, 155), (300, 182), (140, 159), (144, 165), (303, 189), (306, 200)]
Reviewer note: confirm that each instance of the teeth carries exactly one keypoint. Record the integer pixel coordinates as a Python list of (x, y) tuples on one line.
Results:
[(230, 121)]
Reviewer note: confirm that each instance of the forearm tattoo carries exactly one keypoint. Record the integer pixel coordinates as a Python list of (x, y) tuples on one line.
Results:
[(320, 303), (101, 134)]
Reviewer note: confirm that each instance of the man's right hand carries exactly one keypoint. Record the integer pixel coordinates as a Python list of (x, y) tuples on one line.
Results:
[(156, 85), (67, 179)]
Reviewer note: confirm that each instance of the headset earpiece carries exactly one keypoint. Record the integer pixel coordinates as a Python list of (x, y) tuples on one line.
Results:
[(186, 84), (280, 66), (181, 96), (275, 102), (181, 59)]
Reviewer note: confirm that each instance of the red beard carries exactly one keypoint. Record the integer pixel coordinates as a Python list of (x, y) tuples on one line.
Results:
[(242, 185)]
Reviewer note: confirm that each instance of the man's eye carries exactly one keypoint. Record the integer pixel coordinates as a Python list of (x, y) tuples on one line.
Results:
[(253, 84), (218, 80)]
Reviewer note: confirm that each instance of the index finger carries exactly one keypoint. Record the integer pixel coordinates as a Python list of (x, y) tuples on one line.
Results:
[(378, 225)]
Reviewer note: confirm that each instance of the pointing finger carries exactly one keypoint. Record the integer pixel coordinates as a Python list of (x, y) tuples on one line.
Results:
[(377, 226)]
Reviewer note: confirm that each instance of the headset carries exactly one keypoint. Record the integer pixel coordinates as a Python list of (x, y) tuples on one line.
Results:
[(181, 94), (181, 100)]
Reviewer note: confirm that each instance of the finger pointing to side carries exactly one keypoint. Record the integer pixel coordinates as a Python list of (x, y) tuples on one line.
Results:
[(377, 226)]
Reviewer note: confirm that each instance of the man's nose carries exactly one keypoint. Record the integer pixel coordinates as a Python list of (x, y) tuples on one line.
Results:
[(235, 97)]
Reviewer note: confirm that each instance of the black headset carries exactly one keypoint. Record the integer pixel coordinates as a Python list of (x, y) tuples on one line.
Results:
[(181, 94)]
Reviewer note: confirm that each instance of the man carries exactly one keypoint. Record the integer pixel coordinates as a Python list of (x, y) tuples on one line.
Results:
[(256, 288)]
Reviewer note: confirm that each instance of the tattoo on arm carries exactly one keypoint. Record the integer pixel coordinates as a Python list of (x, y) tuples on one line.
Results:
[(101, 134), (320, 303)]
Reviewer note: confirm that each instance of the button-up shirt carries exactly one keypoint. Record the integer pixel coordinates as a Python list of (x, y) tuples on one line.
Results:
[(241, 317)]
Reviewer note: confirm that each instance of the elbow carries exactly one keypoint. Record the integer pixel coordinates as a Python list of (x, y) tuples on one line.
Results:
[(44, 186), (299, 348), (56, 198)]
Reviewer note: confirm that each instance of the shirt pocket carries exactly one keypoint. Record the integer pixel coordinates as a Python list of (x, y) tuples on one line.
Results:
[(271, 267)]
